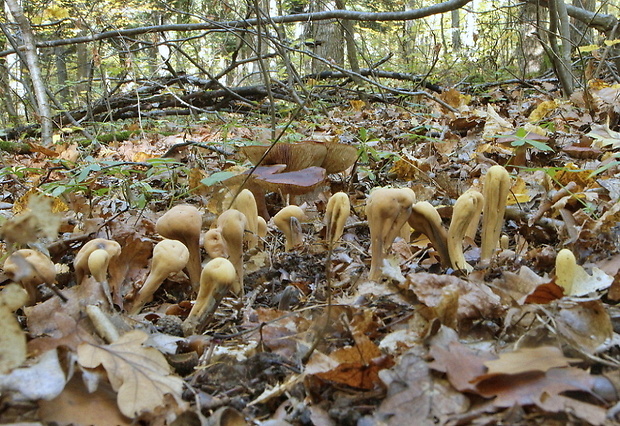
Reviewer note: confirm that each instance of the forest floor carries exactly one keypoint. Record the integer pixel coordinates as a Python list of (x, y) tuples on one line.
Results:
[(313, 340)]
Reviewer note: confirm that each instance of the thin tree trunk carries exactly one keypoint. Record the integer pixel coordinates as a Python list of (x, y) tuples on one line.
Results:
[(32, 62)]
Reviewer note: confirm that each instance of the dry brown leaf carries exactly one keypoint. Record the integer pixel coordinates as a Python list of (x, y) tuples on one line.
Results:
[(76, 406), (356, 366), (586, 325), (39, 219), (12, 338), (542, 389), (525, 360), (139, 374), (475, 300), (460, 363), (414, 397)]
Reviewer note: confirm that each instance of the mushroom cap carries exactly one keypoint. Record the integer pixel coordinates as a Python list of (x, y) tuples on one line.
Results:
[(30, 268), (183, 221), (214, 244)]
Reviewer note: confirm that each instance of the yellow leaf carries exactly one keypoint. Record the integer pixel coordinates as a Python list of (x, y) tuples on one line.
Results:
[(542, 110), (589, 48), (611, 42), (139, 374), (518, 193)]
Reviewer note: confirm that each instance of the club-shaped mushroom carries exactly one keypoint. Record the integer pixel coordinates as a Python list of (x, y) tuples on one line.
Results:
[(495, 192), (218, 276), (288, 220), (336, 214), (30, 268), (184, 223), (214, 244), (80, 263), (466, 210), (565, 270), (246, 204), (103, 252), (425, 219), (169, 257), (231, 224), (387, 210)]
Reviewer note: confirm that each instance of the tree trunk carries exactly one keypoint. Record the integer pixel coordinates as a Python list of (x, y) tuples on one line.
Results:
[(32, 63), (328, 39)]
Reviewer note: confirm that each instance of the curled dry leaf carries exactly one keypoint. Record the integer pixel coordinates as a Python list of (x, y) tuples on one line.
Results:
[(140, 375)]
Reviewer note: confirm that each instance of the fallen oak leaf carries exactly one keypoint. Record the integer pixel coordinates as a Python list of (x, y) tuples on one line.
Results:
[(139, 374), (12, 338)]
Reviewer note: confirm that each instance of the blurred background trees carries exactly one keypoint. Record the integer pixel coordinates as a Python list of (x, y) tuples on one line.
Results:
[(92, 51)]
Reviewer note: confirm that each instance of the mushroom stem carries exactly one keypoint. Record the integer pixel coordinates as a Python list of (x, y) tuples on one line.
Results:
[(288, 220), (231, 225), (169, 257), (184, 223), (336, 215), (217, 277), (98, 263), (495, 191), (387, 210), (425, 219), (466, 210)]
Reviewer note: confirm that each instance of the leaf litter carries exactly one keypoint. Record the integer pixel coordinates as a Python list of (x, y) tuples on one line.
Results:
[(313, 340)]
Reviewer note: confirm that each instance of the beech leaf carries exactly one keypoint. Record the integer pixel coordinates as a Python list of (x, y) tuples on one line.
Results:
[(139, 374)]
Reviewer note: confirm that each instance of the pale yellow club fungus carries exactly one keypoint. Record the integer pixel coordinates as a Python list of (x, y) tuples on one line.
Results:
[(81, 261), (574, 279), (214, 244), (231, 224), (336, 215), (169, 257), (217, 278), (262, 227), (387, 210), (495, 192), (288, 220), (424, 218), (94, 258), (246, 204), (466, 210), (184, 223), (30, 268)]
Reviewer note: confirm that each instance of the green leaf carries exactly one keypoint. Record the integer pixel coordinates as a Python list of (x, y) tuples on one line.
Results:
[(217, 178)]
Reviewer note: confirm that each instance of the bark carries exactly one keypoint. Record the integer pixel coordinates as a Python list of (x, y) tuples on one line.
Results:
[(29, 51)]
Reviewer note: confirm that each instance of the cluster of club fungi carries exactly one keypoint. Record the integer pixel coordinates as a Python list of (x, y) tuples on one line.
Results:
[(391, 212)]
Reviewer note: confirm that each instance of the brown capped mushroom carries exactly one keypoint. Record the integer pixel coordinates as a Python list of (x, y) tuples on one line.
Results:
[(30, 268), (169, 257), (184, 223), (387, 210), (288, 220), (217, 277)]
